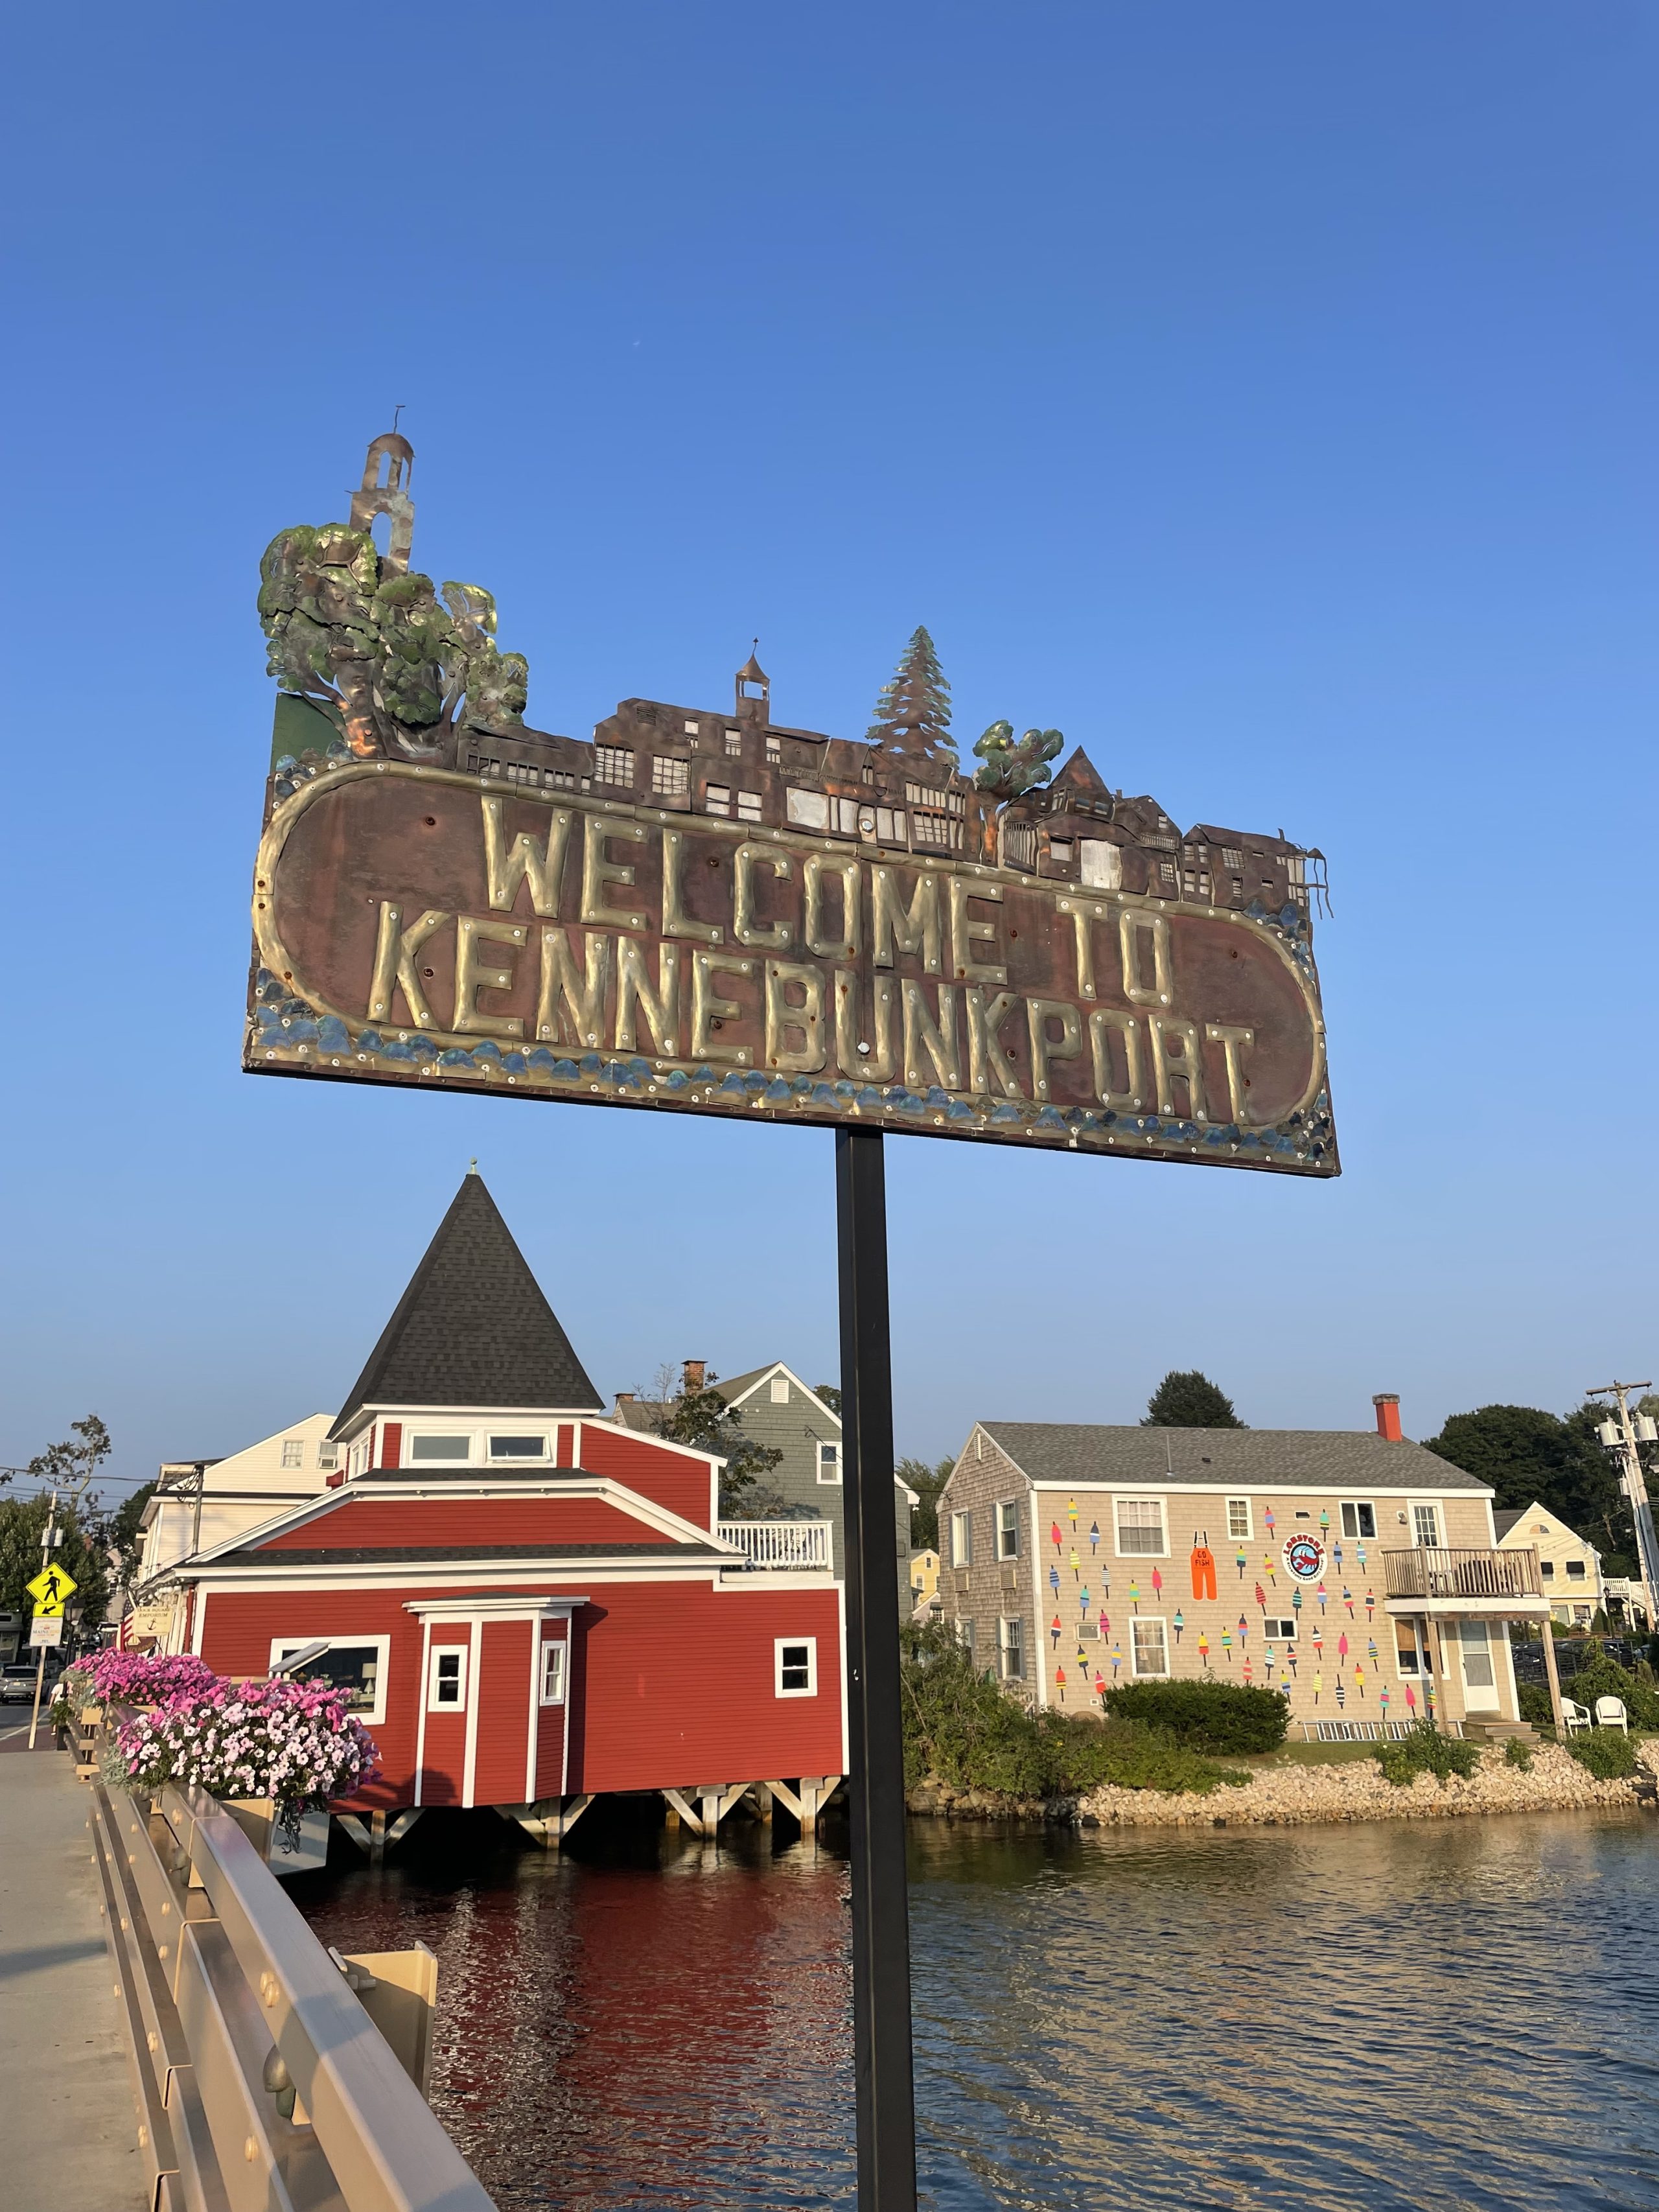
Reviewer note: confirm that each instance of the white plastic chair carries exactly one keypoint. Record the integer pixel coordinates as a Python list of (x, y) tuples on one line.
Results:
[(1575, 1716), (1610, 1713)]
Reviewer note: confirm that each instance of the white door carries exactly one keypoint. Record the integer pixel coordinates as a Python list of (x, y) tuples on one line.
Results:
[(1480, 1676)]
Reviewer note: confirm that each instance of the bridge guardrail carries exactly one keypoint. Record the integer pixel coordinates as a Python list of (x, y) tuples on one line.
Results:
[(264, 2084)]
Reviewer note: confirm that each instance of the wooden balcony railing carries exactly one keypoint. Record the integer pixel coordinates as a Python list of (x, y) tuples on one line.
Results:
[(1446, 1571)]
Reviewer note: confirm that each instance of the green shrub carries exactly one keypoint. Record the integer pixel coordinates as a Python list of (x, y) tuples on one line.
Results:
[(1424, 1750), (1605, 1678), (1534, 1699), (962, 1727), (1517, 1752), (1607, 1753), (1206, 1716)]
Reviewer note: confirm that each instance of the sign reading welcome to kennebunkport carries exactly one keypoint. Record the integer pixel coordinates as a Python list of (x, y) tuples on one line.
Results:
[(709, 911)]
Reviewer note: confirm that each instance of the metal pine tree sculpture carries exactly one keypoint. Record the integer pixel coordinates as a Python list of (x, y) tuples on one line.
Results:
[(913, 714)]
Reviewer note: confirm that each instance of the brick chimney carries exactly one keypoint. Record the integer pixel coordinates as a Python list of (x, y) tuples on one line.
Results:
[(1387, 1403), (694, 1372)]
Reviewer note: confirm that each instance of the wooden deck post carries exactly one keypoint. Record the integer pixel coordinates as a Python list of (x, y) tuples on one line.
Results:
[(1554, 1674)]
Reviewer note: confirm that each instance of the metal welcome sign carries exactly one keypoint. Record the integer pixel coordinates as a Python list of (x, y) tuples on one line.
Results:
[(711, 912)]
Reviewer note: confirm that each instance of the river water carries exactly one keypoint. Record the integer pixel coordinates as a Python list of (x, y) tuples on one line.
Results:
[(1456, 2014)]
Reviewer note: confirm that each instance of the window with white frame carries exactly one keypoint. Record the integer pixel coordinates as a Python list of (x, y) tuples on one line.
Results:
[(1008, 1528), (962, 1540), (1011, 1648), (1238, 1518), (1425, 1525), (354, 1664), (1140, 1528), (328, 1457), (293, 1451), (779, 1390), (795, 1661), (1358, 1517), (429, 1448), (613, 764), (1149, 1646), (518, 1447), (445, 1678), (1280, 1629), (670, 778), (553, 1673), (828, 1462), (965, 1636)]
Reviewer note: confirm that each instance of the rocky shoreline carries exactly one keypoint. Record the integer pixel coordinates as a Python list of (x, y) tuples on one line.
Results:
[(1298, 1796)]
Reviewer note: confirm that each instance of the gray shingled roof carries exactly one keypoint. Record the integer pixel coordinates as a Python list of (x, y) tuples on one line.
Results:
[(1503, 1522), (1263, 1459), (473, 1327)]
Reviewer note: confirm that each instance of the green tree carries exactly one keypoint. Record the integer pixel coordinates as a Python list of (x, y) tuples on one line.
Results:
[(1013, 766), (927, 1482), (703, 1419), (913, 714), (1526, 1453), (830, 1394), (126, 1533), (1186, 1399), (80, 1555)]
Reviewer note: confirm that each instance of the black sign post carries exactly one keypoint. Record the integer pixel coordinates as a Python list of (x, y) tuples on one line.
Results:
[(881, 1936)]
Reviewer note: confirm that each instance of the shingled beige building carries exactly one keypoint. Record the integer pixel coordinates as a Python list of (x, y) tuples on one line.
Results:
[(1356, 1573)]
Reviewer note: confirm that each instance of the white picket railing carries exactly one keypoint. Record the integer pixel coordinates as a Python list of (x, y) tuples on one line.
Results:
[(780, 1543)]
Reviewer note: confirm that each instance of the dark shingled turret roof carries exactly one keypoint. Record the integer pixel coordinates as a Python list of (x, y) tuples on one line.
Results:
[(473, 1327)]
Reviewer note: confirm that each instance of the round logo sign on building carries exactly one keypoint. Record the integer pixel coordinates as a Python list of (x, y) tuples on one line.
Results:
[(1304, 1558)]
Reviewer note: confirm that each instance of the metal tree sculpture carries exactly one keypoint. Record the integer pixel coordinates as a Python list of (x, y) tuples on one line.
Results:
[(913, 714)]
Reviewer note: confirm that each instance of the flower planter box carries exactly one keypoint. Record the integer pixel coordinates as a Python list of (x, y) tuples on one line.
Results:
[(257, 1817)]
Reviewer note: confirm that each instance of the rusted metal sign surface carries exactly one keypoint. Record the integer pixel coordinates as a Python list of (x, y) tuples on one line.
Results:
[(713, 912)]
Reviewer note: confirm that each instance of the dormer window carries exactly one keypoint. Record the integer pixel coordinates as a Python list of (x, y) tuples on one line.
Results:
[(429, 1448), (511, 1447)]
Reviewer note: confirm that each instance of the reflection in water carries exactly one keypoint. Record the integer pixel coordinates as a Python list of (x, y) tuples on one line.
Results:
[(1459, 2012)]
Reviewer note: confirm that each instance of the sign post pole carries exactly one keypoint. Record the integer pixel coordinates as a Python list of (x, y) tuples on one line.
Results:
[(881, 1939)]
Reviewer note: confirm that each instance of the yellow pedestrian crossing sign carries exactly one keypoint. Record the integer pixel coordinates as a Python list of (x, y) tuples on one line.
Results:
[(49, 1590)]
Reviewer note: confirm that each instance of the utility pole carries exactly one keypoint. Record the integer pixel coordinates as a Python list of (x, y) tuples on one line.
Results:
[(1622, 1440)]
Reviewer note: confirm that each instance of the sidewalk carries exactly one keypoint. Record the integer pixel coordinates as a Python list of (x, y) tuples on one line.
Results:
[(67, 2116)]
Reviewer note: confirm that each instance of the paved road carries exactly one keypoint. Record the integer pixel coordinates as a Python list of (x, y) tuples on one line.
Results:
[(70, 2132)]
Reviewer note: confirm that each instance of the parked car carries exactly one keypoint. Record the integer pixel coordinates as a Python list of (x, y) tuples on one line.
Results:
[(17, 1686)]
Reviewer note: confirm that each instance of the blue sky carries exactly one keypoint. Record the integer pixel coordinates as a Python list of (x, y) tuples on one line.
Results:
[(1263, 396)]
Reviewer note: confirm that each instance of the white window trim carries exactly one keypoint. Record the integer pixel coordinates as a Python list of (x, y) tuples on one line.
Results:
[(443, 1650), (509, 1459), (827, 1444), (406, 1448), (1140, 1498), (1417, 1505), (293, 1451), (961, 1523), (1004, 1558), (1247, 1534), (281, 1646), (562, 1646), (1004, 1622), (1278, 1635), (1150, 1620), (782, 1643), (1359, 1537)]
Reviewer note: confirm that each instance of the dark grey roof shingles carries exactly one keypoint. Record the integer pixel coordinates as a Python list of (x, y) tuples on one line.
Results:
[(1264, 1459), (473, 1327)]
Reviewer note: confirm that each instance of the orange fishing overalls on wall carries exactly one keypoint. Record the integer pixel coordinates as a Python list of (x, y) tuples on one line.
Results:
[(1203, 1568)]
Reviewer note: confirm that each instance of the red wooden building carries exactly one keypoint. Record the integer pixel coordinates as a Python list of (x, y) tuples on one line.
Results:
[(530, 1605)]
